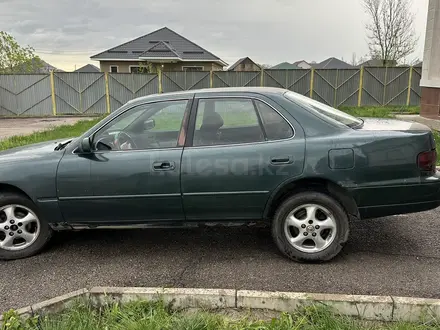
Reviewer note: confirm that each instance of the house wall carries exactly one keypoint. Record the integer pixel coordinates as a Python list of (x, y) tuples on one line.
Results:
[(247, 65), (207, 66), (124, 66), (304, 65), (430, 104)]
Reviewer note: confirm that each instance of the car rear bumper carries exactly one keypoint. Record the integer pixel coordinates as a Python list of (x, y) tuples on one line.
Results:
[(399, 199), (369, 212)]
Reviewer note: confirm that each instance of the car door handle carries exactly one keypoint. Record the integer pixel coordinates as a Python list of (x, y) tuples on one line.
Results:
[(164, 166), (280, 160)]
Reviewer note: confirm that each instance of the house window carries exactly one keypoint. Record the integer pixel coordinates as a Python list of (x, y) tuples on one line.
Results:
[(113, 68), (192, 68), (135, 69)]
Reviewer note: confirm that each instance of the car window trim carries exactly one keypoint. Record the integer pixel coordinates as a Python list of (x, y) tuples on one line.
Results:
[(192, 123), (193, 114), (260, 120), (105, 124)]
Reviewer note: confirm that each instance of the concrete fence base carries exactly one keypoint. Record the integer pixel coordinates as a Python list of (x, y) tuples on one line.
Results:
[(376, 308)]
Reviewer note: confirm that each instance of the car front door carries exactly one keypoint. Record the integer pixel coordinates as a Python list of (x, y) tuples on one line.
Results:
[(239, 150), (133, 172)]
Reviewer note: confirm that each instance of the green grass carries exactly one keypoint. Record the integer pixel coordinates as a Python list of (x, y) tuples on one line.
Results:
[(380, 112), (143, 315), (437, 145)]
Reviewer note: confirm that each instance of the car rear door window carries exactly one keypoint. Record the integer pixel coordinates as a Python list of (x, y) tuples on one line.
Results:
[(227, 121), (275, 126)]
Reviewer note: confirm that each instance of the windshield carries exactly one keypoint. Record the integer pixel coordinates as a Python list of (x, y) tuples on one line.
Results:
[(323, 109)]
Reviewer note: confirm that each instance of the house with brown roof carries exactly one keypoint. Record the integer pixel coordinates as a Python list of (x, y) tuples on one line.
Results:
[(162, 48), (244, 64)]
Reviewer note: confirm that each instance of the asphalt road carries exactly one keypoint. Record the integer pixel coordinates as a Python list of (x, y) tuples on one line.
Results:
[(389, 256)]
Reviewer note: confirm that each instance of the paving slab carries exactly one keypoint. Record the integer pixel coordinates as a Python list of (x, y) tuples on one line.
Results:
[(432, 123)]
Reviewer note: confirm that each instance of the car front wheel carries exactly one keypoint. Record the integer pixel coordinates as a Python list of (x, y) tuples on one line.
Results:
[(22, 232), (310, 227)]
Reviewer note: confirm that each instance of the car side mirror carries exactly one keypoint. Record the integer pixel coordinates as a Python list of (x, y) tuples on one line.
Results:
[(86, 145), (149, 124), (100, 145)]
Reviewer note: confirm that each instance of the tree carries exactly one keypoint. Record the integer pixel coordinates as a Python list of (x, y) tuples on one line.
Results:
[(354, 60), (390, 31), (17, 59), (146, 67)]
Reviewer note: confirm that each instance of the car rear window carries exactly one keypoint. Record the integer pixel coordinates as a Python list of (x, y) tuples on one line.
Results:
[(322, 109)]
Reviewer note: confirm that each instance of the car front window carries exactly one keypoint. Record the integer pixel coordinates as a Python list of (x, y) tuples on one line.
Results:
[(145, 126), (329, 112)]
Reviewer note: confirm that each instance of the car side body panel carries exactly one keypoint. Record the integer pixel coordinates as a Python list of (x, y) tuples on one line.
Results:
[(384, 174), (32, 169), (112, 187), (385, 178), (234, 181)]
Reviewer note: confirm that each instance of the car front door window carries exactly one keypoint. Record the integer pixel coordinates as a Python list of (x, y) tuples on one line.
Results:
[(146, 126)]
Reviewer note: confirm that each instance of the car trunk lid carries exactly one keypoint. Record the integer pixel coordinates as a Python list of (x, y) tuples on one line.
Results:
[(385, 124), (427, 157)]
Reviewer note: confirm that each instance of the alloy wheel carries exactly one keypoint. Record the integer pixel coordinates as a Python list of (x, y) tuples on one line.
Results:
[(310, 228), (19, 227)]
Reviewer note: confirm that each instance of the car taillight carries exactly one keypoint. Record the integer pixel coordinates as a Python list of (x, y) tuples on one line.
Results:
[(426, 160)]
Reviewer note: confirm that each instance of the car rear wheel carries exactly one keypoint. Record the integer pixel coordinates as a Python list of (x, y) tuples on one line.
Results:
[(310, 227), (22, 232)]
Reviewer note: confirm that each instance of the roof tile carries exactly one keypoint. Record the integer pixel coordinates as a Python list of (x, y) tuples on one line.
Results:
[(182, 47)]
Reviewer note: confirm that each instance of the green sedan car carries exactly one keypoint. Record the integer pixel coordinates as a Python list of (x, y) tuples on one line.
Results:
[(224, 156)]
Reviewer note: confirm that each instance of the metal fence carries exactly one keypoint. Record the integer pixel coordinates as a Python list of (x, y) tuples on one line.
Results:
[(70, 93)]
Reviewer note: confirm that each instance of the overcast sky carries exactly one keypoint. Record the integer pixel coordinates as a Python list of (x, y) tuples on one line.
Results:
[(267, 31)]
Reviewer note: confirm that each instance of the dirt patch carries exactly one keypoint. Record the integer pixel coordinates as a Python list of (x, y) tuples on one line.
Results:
[(25, 126)]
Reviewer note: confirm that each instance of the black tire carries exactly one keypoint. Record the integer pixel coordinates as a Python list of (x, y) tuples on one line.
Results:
[(341, 219), (7, 198)]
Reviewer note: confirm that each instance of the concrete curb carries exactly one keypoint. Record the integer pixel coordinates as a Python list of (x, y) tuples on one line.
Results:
[(366, 307), (182, 298), (375, 308)]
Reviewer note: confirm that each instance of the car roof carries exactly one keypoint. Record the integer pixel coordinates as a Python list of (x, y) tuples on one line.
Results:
[(207, 91)]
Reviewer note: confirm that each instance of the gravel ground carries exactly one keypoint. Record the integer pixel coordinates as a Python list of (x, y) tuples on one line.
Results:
[(389, 256)]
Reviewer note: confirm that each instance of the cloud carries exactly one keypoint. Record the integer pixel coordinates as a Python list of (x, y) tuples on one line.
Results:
[(267, 31)]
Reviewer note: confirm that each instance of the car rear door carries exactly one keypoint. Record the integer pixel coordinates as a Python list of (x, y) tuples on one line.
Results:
[(239, 149)]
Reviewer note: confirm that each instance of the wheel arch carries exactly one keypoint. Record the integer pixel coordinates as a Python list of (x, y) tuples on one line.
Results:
[(5, 187), (290, 188)]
